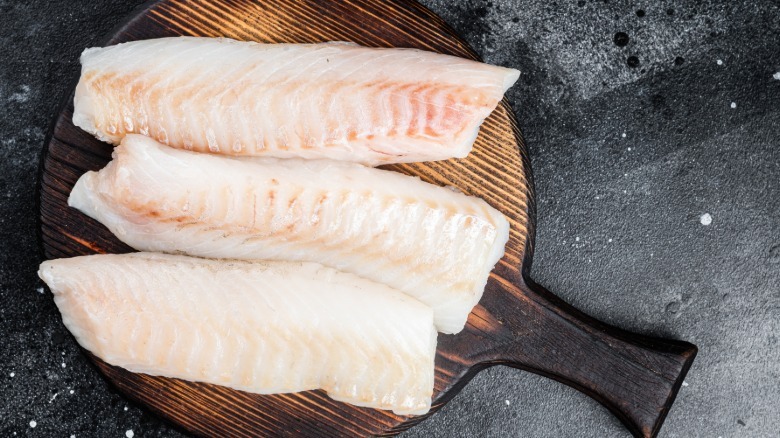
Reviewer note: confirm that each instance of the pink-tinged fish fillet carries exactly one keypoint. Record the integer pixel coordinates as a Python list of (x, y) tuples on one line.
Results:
[(337, 101), (261, 327), (430, 242)]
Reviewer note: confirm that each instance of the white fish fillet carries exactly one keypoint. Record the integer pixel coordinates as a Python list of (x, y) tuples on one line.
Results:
[(333, 100), (261, 327), (428, 241)]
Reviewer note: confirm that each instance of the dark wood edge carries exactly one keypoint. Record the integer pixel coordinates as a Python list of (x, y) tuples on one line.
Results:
[(530, 237), (675, 390)]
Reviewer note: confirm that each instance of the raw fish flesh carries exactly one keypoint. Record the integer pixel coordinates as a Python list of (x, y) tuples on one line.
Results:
[(331, 100), (261, 327), (430, 242)]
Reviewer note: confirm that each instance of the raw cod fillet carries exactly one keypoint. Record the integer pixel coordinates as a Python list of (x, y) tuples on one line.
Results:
[(332, 100), (261, 327), (430, 242)]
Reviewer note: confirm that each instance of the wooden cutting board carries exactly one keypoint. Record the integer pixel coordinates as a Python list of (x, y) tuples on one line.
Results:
[(517, 322)]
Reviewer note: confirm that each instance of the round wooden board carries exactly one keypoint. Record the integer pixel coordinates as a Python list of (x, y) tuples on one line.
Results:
[(497, 170)]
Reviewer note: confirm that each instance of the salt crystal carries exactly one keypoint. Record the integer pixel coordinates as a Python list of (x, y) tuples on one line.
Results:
[(125, 408), (610, 240), (72, 391), (39, 290), (733, 104), (129, 433), (12, 374), (507, 402), (705, 219), (720, 62), (623, 135), (776, 76), (33, 423), (63, 364), (577, 238), (73, 436), (629, 149), (685, 383)]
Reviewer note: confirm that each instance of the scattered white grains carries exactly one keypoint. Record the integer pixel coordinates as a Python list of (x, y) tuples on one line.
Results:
[(12, 374), (73, 436), (720, 62), (39, 290), (733, 105), (623, 135), (72, 391), (129, 433), (125, 408), (63, 364), (625, 174), (624, 192), (705, 219), (629, 149), (507, 402), (33, 423), (577, 238), (609, 240), (776, 76), (685, 383), (598, 197)]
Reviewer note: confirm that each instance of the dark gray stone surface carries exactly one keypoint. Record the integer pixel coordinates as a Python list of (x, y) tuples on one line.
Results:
[(629, 163)]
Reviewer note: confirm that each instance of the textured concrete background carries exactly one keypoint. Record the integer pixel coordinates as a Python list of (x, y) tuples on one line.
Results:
[(657, 168)]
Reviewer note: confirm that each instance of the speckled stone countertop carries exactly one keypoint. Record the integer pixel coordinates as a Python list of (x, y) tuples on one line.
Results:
[(654, 132)]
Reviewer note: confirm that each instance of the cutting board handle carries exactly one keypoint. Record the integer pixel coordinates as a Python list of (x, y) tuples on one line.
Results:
[(636, 377)]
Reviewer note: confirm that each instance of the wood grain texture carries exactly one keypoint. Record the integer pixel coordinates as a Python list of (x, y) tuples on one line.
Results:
[(517, 323)]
